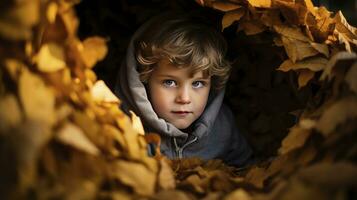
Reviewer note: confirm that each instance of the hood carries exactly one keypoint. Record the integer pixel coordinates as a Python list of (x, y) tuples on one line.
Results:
[(133, 94)]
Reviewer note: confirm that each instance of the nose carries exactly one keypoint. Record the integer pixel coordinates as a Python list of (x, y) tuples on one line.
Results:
[(183, 95)]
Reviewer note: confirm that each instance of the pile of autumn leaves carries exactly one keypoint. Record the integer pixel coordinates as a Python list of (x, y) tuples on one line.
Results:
[(63, 136)]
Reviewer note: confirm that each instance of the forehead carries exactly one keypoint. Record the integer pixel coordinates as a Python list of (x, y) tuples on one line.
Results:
[(165, 67)]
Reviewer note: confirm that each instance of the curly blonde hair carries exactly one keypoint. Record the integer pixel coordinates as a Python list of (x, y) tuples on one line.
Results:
[(185, 42)]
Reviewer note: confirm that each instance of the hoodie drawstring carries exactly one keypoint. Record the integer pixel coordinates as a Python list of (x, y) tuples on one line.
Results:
[(179, 150)]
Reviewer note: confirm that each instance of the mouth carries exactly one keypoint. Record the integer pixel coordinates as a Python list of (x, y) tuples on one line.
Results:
[(181, 112)]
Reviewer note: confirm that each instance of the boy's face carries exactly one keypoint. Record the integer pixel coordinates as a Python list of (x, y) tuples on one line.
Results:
[(176, 95)]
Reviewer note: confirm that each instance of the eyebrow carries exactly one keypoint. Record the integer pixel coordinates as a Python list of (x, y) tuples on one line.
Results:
[(172, 76)]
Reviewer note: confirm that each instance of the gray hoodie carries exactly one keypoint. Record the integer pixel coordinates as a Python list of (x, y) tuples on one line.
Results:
[(214, 134)]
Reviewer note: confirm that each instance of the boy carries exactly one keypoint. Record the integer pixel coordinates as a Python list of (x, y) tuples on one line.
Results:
[(173, 78)]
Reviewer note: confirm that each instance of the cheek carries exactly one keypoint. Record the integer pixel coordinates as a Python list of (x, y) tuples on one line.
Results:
[(201, 101), (159, 100)]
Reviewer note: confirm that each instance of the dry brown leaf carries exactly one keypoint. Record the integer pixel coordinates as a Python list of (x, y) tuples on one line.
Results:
[(297, 190), (172, 195), (256, 176), (25, 144), (343, 27), (314, 64), (17, 22), (88, 125), (131, 138), (14, 68), (225, 6), (230, 17), (94, 50), (343, 39), (322, 48), (37, 99), (291, 32), (195, 182), (238, 194), (69, 20), (351, 77), (324, 174), (322, 25), (295, 12), (135, 175), (337, 114), (166, 179), (50, 58), (260, 3), (51, 12), (305, 75), (340, 57), (136, 123), (271, 18), (10, 115), (72, 135), (298, 50), (101, 93), (251, 27), (310, 6), (295, 139), (156, 140)]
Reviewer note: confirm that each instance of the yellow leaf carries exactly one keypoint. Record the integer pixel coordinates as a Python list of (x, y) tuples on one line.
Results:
[(135, 175), (291, 32), (101, 93), (305, 75), (137, 125), (94, 50), (51, 58), (225, 6), (37, 99), (72, 135), (231, 16), (260, 3)]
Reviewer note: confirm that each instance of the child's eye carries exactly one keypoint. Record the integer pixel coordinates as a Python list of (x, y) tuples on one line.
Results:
[(169, 83), (198, 84)]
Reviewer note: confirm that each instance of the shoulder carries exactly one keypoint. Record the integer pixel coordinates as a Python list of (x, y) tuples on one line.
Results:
[(224, 122), (225, 114)]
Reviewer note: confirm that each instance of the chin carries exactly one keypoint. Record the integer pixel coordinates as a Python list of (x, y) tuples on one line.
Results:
[(181, 126)]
